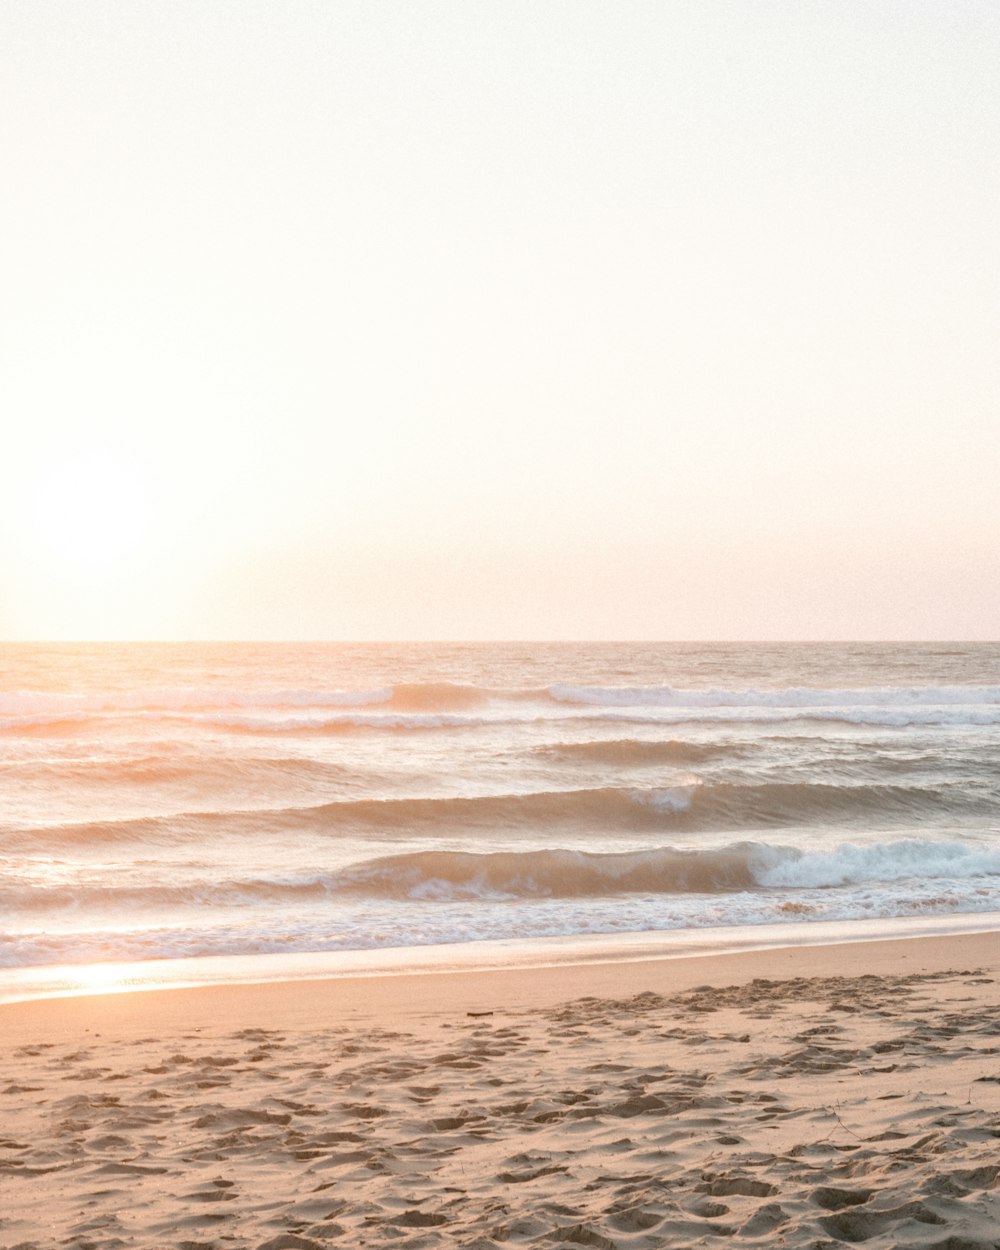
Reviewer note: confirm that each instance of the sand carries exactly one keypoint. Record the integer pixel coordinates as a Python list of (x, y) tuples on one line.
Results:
[(815, 1097)]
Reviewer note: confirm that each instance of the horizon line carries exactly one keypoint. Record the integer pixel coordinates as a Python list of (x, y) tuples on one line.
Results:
[(487, 642)]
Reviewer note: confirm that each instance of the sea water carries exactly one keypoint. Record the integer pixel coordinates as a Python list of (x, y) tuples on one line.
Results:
[(333, 806)]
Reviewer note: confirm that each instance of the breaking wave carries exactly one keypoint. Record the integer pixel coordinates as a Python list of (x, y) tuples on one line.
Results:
[(666, 870), (441, 876)]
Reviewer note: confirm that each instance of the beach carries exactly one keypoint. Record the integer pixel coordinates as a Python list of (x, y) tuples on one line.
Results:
[(500, 626), (802, 1096), (498, 945)]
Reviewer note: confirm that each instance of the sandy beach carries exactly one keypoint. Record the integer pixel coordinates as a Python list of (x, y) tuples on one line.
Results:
[(813, 1097)]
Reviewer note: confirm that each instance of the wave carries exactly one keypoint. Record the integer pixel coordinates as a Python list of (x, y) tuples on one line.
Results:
[(556, 873), (443, 704), (743, 866), (264, 725), (444, 695), (693, 807), (861, 716), (442, 876), (30, 702), (336, 723), (791, 697), (41, 723), (406, 696), (198, 772), (624, 752), (439, 696), (432, 875), (346, 722), (535, 812)]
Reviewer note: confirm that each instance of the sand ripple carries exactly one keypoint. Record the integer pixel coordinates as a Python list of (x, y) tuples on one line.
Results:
[(805, 1112)]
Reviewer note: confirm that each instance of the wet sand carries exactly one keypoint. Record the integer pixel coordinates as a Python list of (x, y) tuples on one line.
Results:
[(815, 1097)]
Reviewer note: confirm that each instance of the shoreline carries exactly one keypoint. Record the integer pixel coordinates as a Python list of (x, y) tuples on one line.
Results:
[(40, 982), (428, 992)]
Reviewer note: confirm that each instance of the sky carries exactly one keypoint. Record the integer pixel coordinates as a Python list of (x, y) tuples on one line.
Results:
[(444, 319)]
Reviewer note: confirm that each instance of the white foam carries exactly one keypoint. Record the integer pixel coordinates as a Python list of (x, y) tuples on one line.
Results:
[(852, 863), (791, 697), (666, 799), (384, 924), (887, 717)]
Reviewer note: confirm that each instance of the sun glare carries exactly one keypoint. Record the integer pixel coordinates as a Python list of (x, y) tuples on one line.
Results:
[(103, 978)]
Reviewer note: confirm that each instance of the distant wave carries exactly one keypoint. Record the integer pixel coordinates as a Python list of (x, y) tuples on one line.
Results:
[(627, 752), (693, 807), (316, 723), (438, 696), (338, 723), (888, 716), (195, 770), (453, 705), (792, 697), (41, 723), (862, 716), (406, 696), (26, 703), (445, 695), (321, 723)]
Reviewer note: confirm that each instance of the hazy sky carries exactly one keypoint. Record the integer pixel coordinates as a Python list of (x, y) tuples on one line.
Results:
[(630, 319)]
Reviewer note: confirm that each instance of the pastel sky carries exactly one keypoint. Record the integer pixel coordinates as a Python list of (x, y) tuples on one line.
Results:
[(500, 319)]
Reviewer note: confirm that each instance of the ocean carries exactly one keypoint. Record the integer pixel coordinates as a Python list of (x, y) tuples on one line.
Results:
[(178, 813)]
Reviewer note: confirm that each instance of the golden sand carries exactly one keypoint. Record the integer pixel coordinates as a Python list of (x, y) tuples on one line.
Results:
[(815, 1097)]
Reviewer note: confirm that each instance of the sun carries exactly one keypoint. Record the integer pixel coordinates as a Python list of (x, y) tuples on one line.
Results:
[(99, 539), (92, 511)]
